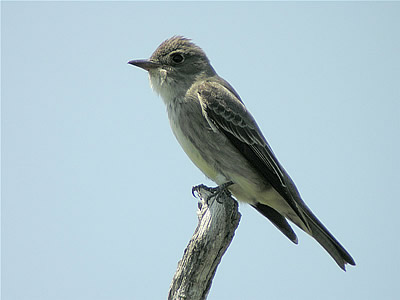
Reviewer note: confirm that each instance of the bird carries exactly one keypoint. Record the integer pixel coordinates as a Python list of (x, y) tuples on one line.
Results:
[(221, 137)]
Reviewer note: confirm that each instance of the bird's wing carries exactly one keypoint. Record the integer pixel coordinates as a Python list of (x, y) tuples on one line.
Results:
[(225, 112)]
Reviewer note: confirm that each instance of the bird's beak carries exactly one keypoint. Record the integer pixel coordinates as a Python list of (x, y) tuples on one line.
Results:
[(144, 64)]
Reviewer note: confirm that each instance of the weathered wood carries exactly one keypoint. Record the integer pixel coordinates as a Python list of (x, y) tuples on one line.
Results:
[(218, 220)]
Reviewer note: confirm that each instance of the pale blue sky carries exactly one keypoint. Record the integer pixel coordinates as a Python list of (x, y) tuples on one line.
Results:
[(96, 192)]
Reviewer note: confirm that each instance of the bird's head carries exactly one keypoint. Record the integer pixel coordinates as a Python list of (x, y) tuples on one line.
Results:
[(174, 66)]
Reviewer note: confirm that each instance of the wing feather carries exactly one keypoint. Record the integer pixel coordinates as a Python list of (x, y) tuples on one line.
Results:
[(225, 112)]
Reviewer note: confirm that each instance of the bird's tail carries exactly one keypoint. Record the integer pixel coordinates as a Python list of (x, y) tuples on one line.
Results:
[(321, 234)]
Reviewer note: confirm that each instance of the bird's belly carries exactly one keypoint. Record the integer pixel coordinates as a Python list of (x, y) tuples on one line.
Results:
[(221, 163), (196, 155)]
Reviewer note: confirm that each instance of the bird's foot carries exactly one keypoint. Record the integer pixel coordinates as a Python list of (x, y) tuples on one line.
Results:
[(216, 192)]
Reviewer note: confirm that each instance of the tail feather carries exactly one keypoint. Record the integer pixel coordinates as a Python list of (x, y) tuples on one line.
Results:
[(277, 219), (313, 227), (321, 234)]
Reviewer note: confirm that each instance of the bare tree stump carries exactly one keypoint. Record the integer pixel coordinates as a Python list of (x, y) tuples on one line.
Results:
[(218, 220)]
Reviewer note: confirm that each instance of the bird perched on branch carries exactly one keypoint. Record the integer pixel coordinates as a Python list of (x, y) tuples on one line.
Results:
[(223, 140)]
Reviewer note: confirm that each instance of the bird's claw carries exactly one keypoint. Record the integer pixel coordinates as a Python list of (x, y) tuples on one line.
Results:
[(196, 189), (216, 192)]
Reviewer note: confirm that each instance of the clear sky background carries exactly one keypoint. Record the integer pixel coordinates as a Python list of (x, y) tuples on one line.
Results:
[(96, 192)]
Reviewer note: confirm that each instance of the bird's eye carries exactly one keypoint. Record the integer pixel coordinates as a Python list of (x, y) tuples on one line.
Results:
[(177, 58)]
